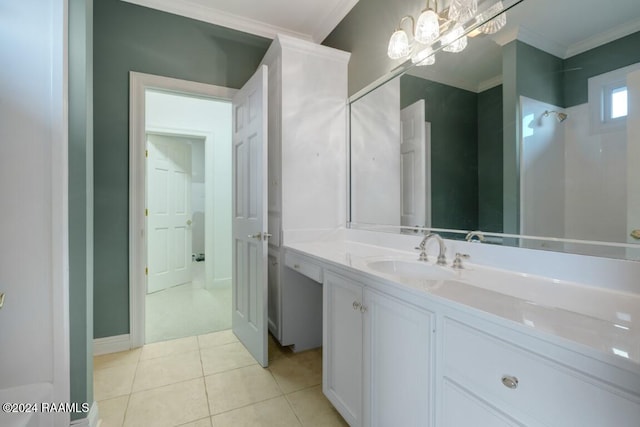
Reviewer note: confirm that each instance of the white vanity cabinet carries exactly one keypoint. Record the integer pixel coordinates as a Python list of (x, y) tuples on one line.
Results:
[(307, 93), (509, 380), (377, 360)]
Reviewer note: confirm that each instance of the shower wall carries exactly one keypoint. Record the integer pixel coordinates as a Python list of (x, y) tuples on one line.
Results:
[(573, 182), (596, 182), (542, 170)]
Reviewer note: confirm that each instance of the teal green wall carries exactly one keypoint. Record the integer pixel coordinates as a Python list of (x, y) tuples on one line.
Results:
[(80, 202), (134, 38), (365, 32), (531, 72), (611, 56), (454, 150), (490, 145)]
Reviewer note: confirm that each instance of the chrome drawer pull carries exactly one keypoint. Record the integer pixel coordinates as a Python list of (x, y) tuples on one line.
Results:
[(510, 382), (356, 305)]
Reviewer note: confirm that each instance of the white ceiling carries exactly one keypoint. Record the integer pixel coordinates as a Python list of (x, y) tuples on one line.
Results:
[(307, 19)]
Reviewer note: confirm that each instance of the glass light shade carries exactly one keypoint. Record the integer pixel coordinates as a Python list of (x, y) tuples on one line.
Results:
[(497, 23), (424, 57), (398, 45), (463, 10), (453, 40), (428, 27)]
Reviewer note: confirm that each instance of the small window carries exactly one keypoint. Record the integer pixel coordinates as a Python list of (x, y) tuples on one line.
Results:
[(608, 100), (618, 102)]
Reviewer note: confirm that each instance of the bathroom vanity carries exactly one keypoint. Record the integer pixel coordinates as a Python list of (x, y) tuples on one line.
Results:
[(407, 342)]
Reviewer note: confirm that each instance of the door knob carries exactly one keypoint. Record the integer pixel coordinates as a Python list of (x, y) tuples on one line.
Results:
[(189, 222), (636, 234)]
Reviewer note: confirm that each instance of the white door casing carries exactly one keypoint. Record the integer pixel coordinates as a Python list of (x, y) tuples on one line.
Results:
[(415, 166), (249, 204), (139, 83), (169, 212)]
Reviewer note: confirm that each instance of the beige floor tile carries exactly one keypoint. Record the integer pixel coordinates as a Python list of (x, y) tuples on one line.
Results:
[(298, 371), (217, 338), (112, 411), (169, 348), (113, 382), (129, 357), (171, 405), (167, 370), (270, 413), (240, 387), (276, 351), (225, 357), (314, 410), (205, 422)]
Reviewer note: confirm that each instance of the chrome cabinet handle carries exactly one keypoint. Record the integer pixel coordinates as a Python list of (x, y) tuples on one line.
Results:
[(510, 381), (363, 309), (356, 305), (189, 222), (1, 299)]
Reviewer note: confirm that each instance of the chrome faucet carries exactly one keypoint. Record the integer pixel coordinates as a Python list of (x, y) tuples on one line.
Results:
[(442, 260)]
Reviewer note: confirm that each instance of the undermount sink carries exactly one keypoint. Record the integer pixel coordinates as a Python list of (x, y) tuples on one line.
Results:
[(411, 269)]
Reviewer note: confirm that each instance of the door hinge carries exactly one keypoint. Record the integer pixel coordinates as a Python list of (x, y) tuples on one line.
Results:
[(146, 212), (146, 271)]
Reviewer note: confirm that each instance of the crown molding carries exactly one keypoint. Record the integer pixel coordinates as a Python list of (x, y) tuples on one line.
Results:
[(603, 38), (541, 42), (211, 15), (490, 83)]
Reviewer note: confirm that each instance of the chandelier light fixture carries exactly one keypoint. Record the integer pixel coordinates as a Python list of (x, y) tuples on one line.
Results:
[(446, 28)]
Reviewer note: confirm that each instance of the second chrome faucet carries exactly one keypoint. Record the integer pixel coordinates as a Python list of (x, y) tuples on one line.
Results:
[(422, 247)]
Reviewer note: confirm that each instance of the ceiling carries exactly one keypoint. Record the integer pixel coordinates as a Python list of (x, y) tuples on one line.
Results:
[(307, 19)]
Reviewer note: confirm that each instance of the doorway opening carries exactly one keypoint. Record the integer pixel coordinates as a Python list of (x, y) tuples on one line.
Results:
[(180, 208), (188, 191)]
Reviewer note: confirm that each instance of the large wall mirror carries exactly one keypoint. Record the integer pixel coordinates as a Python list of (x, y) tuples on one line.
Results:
[(533, 130)]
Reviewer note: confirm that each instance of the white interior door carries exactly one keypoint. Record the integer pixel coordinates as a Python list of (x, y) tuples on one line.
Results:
[(414, 166), (249, 296), (633, 158), (168, 212)]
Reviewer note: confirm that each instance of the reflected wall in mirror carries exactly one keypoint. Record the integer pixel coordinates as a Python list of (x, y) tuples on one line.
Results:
[(533, 131)]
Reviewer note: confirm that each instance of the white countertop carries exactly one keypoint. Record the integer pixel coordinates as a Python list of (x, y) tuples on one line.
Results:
[(600, 318)]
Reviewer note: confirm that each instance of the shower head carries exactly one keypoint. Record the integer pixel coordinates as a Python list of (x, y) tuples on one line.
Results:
[(560, 117)]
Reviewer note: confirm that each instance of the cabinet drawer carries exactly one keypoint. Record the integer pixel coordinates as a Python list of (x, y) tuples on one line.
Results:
[(303, 266), (531, 385)]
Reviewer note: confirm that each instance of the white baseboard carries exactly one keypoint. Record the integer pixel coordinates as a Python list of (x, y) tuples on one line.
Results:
[(111, 344), (92, 419)]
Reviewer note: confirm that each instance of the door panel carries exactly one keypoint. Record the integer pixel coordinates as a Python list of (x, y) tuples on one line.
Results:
[(414, 165), (250, 294), (169, 212)]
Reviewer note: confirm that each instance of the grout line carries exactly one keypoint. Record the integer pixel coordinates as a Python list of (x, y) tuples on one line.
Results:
[(293, 410), (206, 390)]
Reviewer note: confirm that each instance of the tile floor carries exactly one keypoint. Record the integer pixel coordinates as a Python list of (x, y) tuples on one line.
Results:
[(211, 381), (188, 309)]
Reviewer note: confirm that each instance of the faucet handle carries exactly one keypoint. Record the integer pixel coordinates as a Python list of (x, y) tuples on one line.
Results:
[(423, 253), (457, 262)]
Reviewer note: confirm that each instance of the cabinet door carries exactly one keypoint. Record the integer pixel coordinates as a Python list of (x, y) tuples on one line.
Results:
[(342, 346), (397, 362)]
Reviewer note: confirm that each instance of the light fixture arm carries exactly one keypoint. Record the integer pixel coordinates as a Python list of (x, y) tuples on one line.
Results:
[(413, 23), (435, 2)]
